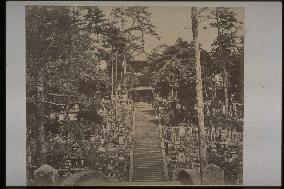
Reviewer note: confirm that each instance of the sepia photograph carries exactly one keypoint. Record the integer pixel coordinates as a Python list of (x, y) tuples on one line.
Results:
[(134, 95)]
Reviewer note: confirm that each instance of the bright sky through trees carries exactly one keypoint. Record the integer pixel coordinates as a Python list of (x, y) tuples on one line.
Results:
[(174, 22)]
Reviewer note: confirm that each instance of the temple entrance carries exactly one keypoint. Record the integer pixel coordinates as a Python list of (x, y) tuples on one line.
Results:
[(142, 94)]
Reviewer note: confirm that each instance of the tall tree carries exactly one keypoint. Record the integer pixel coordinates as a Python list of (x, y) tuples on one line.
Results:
[(60, 57), (199, 92), (225, 45), (134, 23), (175, 64), (42, 48)]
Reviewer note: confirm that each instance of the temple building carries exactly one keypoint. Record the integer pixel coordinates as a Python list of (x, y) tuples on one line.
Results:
[(142, 89)]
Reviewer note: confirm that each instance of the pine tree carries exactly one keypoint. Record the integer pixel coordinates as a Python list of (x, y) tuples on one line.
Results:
[(225, 45)]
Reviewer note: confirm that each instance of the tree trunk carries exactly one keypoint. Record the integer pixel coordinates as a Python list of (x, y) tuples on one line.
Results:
[(125, 66), (142, 41), (116, 84), (116, 62), (124, 71), (199, 93), (40, 120), (225, 85), (112, 83), (225, 74)]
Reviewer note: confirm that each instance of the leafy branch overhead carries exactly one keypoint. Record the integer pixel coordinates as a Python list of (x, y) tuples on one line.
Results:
[(68, 44)]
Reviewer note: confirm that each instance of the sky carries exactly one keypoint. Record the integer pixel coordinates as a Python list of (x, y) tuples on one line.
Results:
[(174, 22)]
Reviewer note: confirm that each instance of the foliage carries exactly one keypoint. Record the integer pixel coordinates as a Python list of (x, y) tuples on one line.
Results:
[(227, 48), (173, 66)]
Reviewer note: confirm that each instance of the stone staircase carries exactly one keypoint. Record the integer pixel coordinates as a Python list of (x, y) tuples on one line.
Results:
[(73, 178), (148, 165)]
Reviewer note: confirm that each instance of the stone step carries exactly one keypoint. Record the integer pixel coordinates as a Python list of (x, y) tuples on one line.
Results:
[(148, 173), (145, 140), (141, 163), (148, 180), (138, 175), (148, 176), (147, 151), (154, 156), (141, 175), (150, 132), (149, 147), (142, 153), (147, 130), (147, 143), (141, 159), (147, 170), (152, 166), (149, 155), (148, 161), (154, 159), (145, 146)]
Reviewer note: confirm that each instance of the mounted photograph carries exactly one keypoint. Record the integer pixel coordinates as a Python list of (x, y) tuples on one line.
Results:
[(134, 95)]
